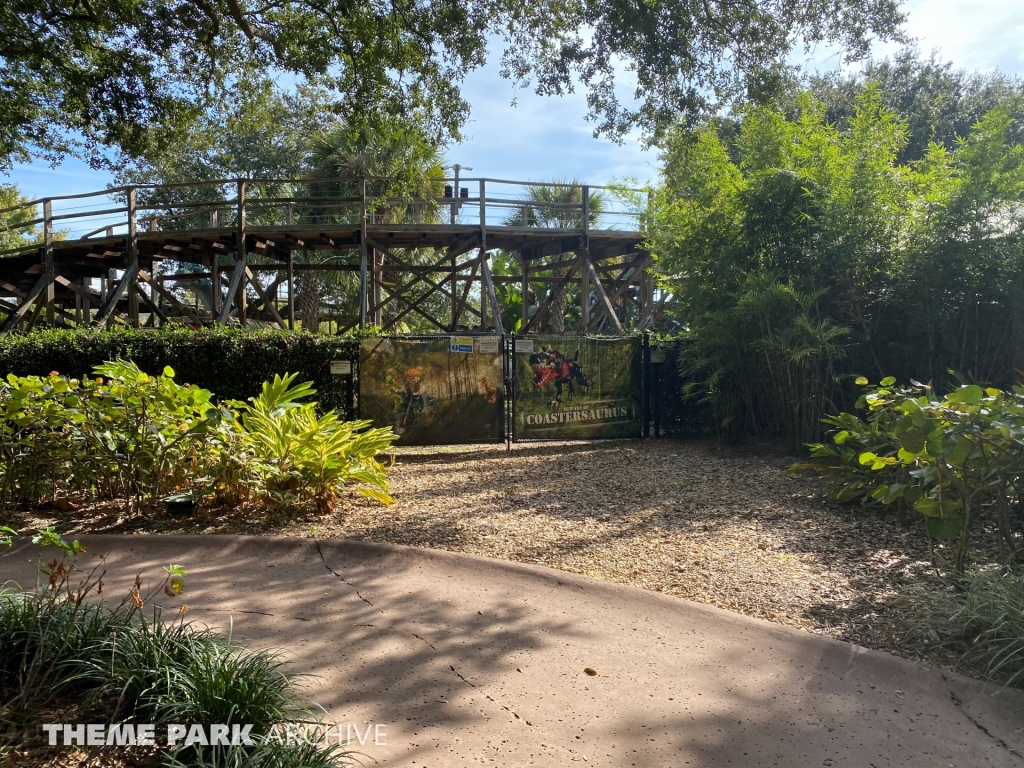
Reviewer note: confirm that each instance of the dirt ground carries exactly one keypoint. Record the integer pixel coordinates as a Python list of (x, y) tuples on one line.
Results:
[(723, 526)]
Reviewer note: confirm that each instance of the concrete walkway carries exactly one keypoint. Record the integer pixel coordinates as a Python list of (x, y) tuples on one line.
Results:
[(468, 661)]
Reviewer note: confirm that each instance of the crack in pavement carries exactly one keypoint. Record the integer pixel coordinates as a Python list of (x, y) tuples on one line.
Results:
[(418, 637), (485, 695), (257, 613), (959, 705)]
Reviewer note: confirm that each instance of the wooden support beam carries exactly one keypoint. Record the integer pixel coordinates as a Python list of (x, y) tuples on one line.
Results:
[(270, 291), (291, 282), (488, 286), (463, 306), (48, 258), (14, 319), (545, 307), (155, 310), (132, 250), (106, 310), (237, 274), (266, 299), (526, 291), (414, 307), (599, 290), (170, 298), (13, 289), (36, 312), (79, 290), (622, 288), (240, 253), (585, 297)]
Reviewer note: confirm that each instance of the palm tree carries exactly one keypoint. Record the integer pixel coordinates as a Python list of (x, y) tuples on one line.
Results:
[(546, 207), (403, 169)]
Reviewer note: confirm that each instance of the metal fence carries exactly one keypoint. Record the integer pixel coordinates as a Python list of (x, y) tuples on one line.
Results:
[(444, 389)]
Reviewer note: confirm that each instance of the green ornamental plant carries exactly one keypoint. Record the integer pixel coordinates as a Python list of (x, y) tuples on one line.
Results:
[(948, 458), (129, 436), (313, 456)]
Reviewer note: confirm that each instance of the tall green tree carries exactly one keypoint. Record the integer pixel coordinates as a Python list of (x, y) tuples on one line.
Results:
[(13, 230), (402, 168), (805, 251), (939, 102), (134, 76)]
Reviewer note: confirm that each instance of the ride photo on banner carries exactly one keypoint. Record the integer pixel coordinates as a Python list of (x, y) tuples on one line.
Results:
[(434, 391), (577, 387)]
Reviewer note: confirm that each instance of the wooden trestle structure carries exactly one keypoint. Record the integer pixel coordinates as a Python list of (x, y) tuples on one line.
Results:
[(132, 267)]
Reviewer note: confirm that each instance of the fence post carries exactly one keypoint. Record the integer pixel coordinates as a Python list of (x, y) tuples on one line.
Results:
[(48, 259), (510, 357), (646, 379), (133, 259), (242, 303), (363, 257), (657, 401)]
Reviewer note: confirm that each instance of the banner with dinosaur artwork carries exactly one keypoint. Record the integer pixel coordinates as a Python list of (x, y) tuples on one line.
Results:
[(577, 387), (434, 390)]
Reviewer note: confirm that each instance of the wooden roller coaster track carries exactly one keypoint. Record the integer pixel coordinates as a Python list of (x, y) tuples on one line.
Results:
[(223, 252)]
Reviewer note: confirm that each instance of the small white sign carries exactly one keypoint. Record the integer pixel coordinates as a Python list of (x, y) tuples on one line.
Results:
[(524, 346), (488, 346), (341, 367), (657, 355)]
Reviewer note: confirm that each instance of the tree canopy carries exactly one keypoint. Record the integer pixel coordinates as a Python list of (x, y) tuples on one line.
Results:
[(96, 77), (939, 102)]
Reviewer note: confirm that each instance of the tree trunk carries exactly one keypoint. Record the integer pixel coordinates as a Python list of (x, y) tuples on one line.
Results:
[(308, 299)]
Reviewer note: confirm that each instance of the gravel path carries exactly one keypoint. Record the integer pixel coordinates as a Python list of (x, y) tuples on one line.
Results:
[(727, 527)]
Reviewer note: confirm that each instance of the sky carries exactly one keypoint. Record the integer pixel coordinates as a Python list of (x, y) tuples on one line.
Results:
[(543, 138)]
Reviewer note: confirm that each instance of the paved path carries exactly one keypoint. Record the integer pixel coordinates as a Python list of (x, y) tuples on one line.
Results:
[(468, 661)]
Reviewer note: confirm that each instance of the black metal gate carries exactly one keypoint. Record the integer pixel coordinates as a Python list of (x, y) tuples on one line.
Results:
[(437, 389)]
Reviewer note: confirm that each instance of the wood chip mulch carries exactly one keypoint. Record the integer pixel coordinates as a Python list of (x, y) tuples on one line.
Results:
[(723, 526)]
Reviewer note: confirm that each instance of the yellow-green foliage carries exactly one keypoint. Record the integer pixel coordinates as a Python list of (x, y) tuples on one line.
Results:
[(128, 435)]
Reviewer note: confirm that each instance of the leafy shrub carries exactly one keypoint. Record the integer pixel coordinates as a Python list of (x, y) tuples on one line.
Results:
[(231, 362), (947, 458), (301, 452), (135, 437)]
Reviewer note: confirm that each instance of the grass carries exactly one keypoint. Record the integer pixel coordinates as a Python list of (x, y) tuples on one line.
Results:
[(992, 615), (979, 618), (65, 658)]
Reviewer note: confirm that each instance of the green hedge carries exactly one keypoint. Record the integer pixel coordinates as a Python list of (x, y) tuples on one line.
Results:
[(230, 362)]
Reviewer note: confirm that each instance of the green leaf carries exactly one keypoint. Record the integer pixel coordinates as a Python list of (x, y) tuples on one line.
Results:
[(848, 493), (867, 458), (972, 394), (960, 452), (936, 443), (168, 372), (930, 507), (888, 381), (861, 381), (945, 528), (913, 440), (906, 456)]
